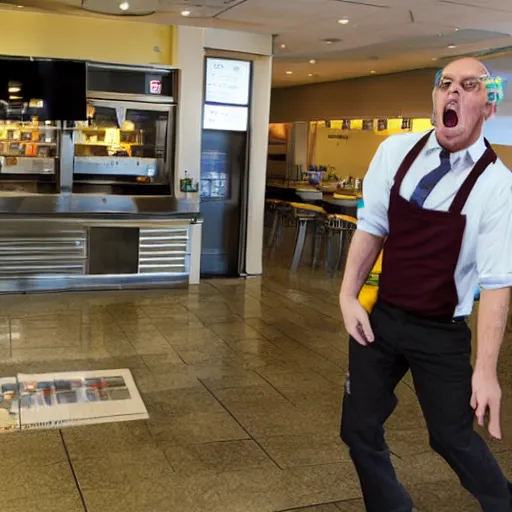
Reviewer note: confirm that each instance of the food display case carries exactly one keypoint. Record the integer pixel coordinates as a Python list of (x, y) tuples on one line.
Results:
[(29, 156), (124, 147), (126, 144)]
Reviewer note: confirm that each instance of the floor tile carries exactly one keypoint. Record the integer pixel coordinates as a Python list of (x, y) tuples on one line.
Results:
[(121, 468), (217, 457), (305, 449), (67, 503)]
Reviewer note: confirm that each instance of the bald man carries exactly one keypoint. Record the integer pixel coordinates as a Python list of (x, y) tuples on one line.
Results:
[(442, 202)]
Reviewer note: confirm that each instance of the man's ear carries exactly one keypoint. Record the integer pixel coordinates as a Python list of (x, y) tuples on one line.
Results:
[(490, 110)]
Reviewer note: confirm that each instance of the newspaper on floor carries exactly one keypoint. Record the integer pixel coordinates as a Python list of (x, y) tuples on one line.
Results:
[(56, 400)]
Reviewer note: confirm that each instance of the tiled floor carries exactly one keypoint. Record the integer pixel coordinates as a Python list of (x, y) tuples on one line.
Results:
[(243, 382)]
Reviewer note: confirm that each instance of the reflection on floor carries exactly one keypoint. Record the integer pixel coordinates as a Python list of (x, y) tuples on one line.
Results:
[(243, 382)]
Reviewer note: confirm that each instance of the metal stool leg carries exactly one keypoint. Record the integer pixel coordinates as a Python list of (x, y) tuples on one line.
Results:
[(317, 242), (341, 243), (302, 229), (273, 230), (329, 256)]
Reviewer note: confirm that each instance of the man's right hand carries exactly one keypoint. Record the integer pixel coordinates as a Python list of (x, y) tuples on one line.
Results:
[(357, 321)]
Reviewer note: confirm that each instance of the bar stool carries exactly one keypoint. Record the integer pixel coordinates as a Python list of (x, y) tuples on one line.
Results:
[(279, 211), (307, 215), (340, 227)]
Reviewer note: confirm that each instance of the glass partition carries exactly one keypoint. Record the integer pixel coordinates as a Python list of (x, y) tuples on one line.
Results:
[(124, 142)]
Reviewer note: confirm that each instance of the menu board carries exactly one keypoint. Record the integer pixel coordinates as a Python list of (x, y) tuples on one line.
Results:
[(228, 81), (222, 117)]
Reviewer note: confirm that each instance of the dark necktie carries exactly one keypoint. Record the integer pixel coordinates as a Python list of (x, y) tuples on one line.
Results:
[(430, 180)]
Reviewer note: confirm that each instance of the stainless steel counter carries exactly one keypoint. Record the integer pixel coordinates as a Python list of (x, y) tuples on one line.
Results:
[(90, 205), (54, 243)]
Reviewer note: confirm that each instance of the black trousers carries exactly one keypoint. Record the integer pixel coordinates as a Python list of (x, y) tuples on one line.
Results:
[(438, 355)]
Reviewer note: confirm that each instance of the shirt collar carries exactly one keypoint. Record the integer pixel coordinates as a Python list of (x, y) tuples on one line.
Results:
[(474, 152)]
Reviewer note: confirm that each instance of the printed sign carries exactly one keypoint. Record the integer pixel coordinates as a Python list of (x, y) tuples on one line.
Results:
[(155, 87)]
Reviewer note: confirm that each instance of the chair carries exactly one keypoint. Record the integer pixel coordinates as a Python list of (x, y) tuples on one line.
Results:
[(278, 212), (339, 230), (307, 215)]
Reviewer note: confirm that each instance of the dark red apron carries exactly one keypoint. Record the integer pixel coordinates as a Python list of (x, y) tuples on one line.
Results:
[(423, 246)]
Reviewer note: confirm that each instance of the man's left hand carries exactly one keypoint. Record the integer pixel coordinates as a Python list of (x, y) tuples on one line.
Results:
[(487, 396)]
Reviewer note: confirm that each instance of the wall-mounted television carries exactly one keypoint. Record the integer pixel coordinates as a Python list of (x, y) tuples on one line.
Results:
[(54, 90)]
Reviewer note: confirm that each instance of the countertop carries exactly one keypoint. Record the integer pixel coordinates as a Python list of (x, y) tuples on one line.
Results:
[(102, 206)]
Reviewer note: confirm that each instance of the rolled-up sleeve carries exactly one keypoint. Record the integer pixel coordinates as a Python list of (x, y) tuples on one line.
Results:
[(373, 212), (494, 244)]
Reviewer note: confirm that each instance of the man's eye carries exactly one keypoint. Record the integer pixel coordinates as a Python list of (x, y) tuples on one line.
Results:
[(470, 85), (444, 85)]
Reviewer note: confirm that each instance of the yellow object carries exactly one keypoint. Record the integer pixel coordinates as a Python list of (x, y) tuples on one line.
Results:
[(346, 218), (370, 290), (308, 207), (85, 38), (344, 196)]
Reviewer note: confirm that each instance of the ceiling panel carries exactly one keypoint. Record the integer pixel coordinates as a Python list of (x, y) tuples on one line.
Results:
[(492, 5), (382, 35)]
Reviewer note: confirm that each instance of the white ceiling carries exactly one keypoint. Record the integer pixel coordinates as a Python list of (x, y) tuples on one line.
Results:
[(381, 36)]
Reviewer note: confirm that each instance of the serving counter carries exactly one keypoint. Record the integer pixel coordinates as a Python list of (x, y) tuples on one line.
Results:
[(87, 178), (78, 242)]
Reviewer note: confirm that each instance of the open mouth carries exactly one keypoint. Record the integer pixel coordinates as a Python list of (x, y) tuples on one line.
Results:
[(450, 118)]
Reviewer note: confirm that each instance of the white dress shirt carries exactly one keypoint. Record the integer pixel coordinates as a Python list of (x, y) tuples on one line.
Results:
[(485, 258)]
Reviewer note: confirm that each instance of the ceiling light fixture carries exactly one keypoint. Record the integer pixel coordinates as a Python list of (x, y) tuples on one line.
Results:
[(331, 40), (451, 46), (310, 74), (312, 61), (289, 72), (283, 46), (124, 6), (343, 21), (457, 29), (373, 72), (185, 13), (434, 59)]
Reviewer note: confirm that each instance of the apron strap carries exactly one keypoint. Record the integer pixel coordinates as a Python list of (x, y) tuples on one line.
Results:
[(409, 160), (488, 158)]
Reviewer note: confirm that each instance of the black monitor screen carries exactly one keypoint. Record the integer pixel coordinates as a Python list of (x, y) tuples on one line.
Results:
[(53, 90)]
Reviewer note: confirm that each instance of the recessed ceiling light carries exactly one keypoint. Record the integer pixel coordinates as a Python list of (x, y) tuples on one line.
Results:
[(289, 72), (124, 6), (310, 74), (185, 13), (343, 21), (456, 29), (373, 72), (434, 59), (283, 46), (331, 40), (451, 46), (312, 61), (20, 6)]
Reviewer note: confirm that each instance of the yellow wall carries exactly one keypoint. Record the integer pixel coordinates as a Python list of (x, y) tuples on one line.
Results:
[(351, 155), (54, 35), (504, 153)]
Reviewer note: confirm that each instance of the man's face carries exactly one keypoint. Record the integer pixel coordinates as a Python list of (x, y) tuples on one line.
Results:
[(460, 104)]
